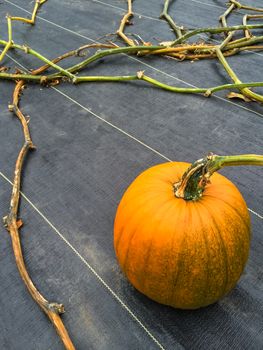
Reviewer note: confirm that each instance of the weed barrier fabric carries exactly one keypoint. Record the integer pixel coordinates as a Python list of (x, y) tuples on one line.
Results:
[(92, 141)]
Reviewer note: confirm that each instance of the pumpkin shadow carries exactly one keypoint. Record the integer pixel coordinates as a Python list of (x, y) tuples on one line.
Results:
[(233, 322)]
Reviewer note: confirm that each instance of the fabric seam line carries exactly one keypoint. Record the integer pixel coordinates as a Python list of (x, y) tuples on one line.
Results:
[(141, 62), (110, 290), (116, 127)]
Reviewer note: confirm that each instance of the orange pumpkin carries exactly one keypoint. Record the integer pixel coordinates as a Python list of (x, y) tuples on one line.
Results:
[(182, 253)]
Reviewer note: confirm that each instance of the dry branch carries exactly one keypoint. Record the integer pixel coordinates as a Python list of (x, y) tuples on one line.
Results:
[(126, 21), (178, 49), (224, 16), (12, 223), (32, 20), (177, 30), (247, 32), (245, 7)]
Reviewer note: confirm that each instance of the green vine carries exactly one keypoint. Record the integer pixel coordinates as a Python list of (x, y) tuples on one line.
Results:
[(179, 49)]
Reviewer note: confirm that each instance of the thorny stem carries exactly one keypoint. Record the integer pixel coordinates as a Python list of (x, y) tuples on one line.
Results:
[(197, 176), (38, 3), (168, 18), (126, 20)]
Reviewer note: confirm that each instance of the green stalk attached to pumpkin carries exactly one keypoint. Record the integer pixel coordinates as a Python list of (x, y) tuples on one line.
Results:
[(182, 233), (194, 180)]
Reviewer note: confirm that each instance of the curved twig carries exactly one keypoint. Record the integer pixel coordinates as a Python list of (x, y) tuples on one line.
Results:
[(224, 16), (247, 32), (245, 91), (139, 76), (177, 30), (187, 51), (126, 20), (245, 7), (12, 223), (10, 41), (32, 52), (215, 30), (38, 3)]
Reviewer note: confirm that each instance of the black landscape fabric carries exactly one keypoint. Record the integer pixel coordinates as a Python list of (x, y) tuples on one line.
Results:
[(92, 141)]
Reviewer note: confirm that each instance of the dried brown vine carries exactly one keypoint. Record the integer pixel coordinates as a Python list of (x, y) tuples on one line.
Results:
[(12, 223), (32, 20), (124, 22), (179, 49)]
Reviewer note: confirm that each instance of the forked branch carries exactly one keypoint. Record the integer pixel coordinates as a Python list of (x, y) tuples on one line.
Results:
[(247, 32), (245, 91), (245, 7), (32, 20), (10, 41), (126, 21), (224, 16), (177, 30)]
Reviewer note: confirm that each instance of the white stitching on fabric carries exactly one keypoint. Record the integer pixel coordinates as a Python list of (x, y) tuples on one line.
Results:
[(89, 267), (94, 41), (114, 126)]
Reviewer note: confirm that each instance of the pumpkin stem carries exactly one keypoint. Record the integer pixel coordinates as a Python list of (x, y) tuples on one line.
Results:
[(197, 176)]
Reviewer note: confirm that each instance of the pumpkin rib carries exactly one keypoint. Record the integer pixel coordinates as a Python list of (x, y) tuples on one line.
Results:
[(135, 228), (168, 299), (147, 257), (207, 254), (128, 220), (231, 206), (121, 208), (237, 213), (116, 245), (148, 253), (221, 241), (179, 262), (127, 258), (238, 242), (125, 262), (245, 256), (240, 216), (224, 252)]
